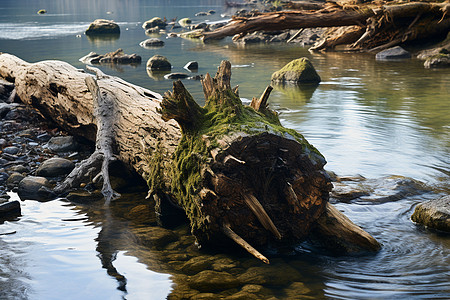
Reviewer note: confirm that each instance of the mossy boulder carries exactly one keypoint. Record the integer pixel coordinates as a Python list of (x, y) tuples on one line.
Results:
[(159, 63), (185, 22), (297, 71), (101, 26), (207, 281), (434, 214), (154, 22)]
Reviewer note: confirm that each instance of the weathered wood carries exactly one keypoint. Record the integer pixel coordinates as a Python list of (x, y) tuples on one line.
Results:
[(337, 233), (220, 153)]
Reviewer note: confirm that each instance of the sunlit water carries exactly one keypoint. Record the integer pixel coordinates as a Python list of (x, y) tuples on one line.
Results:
[(366, 117)]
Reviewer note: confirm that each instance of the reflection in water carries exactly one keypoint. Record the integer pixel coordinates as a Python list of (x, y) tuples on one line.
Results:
[(104, 39)]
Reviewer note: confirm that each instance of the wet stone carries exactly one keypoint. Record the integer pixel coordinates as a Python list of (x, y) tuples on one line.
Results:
[(34, 188), (18, 168), (176, 76), (209, 280), (296, 290), (197, 264), (54, 167), (242, 295), (344, 192), (101, 26), (204, 296), (158, 62), (191, 66), (84, 196), (396, 52), (153, 42), (14, 179), (62, 144), (434, 214), (140, 214), (13, 150), (10, 209), (156, 236)]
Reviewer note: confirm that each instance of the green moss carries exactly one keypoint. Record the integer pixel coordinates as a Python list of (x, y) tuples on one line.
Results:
[(222, 115), (298, 71)]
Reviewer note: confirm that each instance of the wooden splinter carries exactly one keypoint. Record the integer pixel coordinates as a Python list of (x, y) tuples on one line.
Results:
[(241, 242), (261, 214)]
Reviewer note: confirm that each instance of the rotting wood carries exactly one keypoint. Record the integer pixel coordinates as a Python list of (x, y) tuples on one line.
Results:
[(178, 162)]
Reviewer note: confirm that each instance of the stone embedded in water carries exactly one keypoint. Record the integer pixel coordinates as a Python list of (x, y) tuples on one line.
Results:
[(297, 71), (192, 65), (41, 12), (434, 214), (155, 236), (438, 61), (197, 264), (153, 42), (154, 22), (396, 52), (9, 209), (101, 26), (159, 63), (55, 166), (34, 188), (84, 196), (176, 76)]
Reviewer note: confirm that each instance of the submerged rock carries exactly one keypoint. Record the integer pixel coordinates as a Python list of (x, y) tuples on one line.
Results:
[(102, 26), (208, 280), (175, 76), (297, 71), (116, 57), (396, 52), (153, 42), (159, 62), (434, 214)]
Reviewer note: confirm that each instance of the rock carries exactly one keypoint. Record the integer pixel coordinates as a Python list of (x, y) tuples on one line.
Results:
[(211, 12), (9, 209), (203, 296), (344, 192), (6, 89), (297, 290), (141, 214), (434, 214), (197, 264), (155, 236), (396, 52), (153, 42), (173, 25), (13, 150), (216, 25), (14, 179), (202, 25), (297, 71), (425, 54), (101, 26), (283, 37), (250, 39), (84, 196), (154, 30), (154, 22), (3, 142), (201, 14), (176, 76), (34, 188), (41, 12), (18, 169), (185, 22), (191, 66), (5, 109), (275, 275), (159, 63), (55, 167), (438, 61), (208, 281), (3, 178), (62, 144)]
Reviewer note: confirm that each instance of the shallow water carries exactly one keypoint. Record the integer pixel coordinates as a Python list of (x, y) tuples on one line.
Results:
[(366, 117)]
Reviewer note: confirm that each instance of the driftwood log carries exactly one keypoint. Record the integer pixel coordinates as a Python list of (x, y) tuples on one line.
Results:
[(360, 27), (234, 169)]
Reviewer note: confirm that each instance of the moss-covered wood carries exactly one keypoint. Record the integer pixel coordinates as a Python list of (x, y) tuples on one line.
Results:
[(239, 167)]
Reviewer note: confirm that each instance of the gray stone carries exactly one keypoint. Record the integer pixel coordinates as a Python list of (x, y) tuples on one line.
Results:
[(154, 22), (434, 214), (201, 14), (297, 71), (91, 58), (14, 179), (55, 167), (19, 169), (153, 42), (84, 196), (159, 62), (191, 66), (34, 188), (396, 52), (3, 142), (9, 209), (185, 22), (202, 25), (101, 26), (62, 144), (3, 177), (176, 76), (13, 150)]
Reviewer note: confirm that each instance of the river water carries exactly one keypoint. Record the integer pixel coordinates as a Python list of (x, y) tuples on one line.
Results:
[(371, 118)]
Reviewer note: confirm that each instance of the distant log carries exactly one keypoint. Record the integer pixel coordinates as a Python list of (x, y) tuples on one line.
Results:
[(361, 27), (234, 170)]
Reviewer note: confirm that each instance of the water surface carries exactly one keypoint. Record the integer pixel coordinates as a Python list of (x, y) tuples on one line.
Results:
[(366, 117)]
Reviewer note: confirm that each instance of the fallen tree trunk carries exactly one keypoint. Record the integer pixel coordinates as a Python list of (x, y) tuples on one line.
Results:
[(234, 170), (362, 27)]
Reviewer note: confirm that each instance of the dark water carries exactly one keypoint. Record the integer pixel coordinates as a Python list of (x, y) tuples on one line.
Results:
[(366, 117)]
